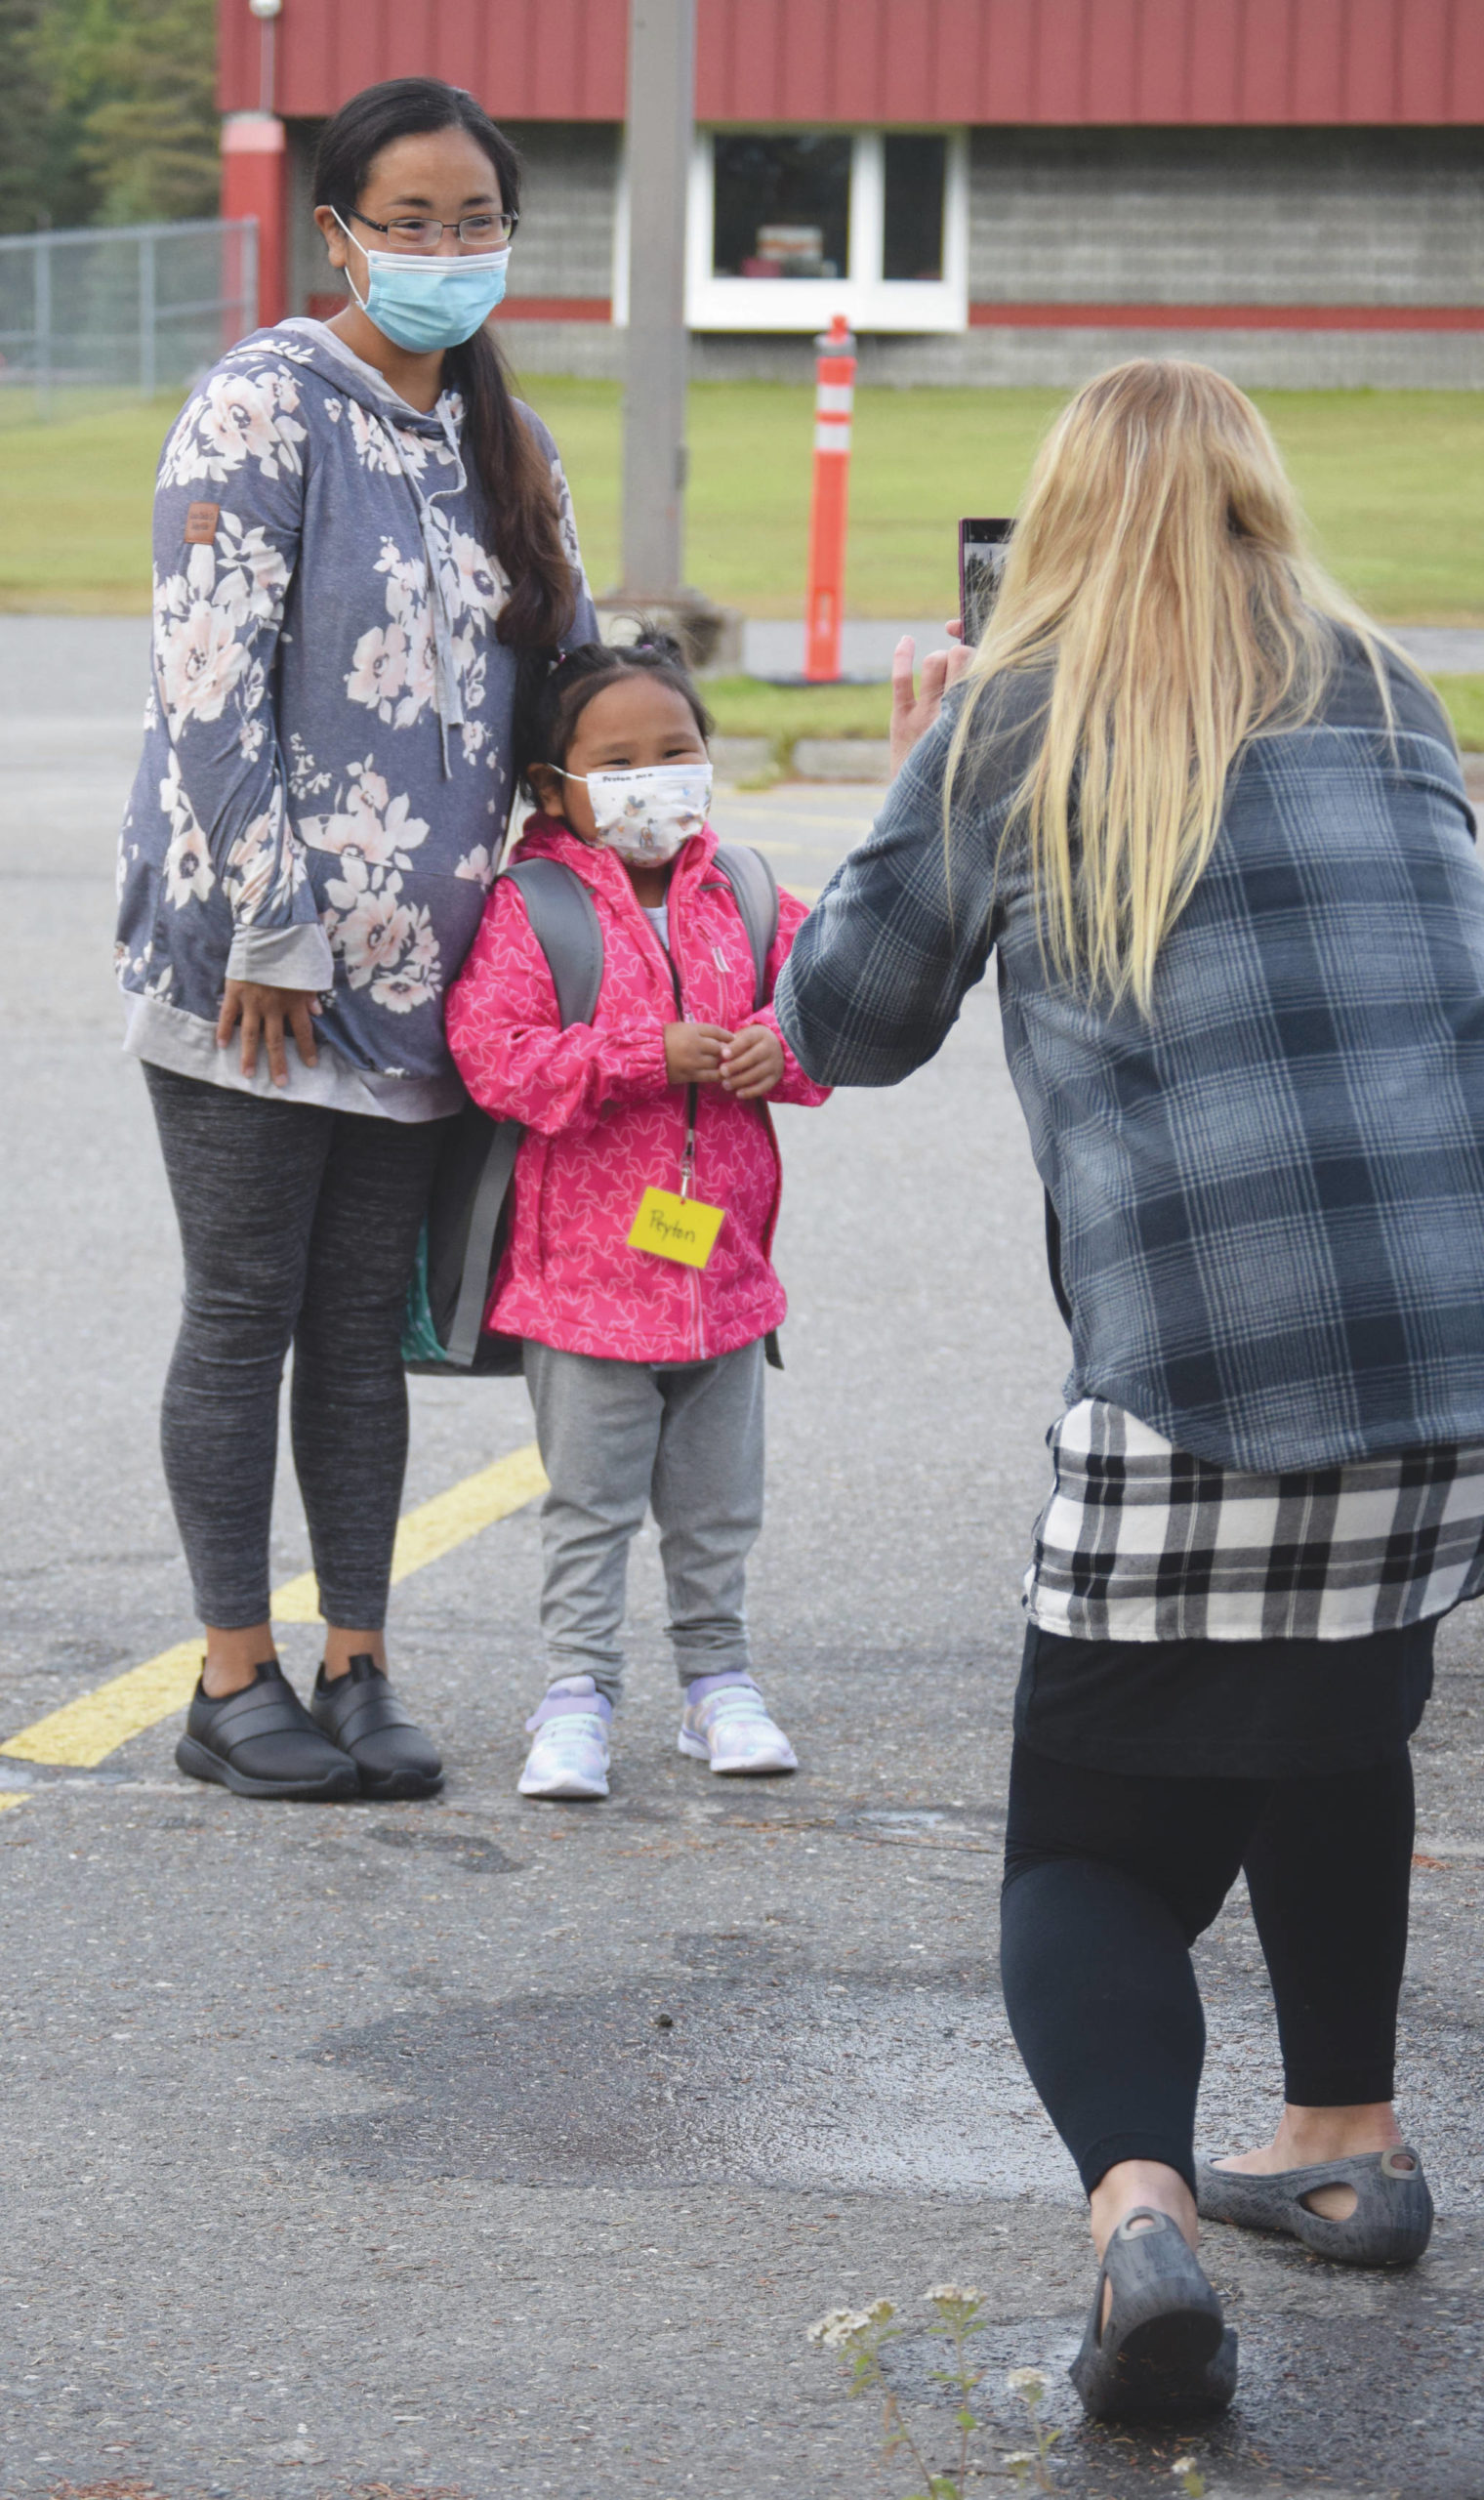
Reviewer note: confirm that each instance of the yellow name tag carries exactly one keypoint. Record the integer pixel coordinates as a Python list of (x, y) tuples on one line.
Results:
[(676, 1228)]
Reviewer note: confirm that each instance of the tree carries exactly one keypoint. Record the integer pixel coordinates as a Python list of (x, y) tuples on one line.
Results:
[(28, 168), (107, 111), (151, 139)]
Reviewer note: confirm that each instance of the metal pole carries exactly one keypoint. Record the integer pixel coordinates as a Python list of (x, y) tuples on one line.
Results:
[(661, 116), (43, 325), (148, 375)]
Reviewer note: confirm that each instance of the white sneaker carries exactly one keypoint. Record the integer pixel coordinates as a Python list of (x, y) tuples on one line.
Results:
[(725, 1722), (570, 1755)]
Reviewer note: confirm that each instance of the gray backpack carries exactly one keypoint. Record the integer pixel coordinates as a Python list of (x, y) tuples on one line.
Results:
[(465, 1229)]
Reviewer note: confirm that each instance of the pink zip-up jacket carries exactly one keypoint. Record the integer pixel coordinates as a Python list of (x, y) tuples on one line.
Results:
[(603, 1124)]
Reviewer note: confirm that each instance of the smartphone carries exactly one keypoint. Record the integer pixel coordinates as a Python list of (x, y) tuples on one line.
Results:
[(982, 548)]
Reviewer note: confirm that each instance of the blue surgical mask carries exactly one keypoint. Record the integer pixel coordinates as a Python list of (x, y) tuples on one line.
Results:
[(424, 301)]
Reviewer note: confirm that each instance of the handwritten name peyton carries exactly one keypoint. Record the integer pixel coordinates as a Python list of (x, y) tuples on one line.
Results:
[(670, 1228)]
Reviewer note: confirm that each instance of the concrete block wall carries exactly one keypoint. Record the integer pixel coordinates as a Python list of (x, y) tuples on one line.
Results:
[(1057, 359), (588, 351), (1226, 216), (569, 178), (1282, 360)]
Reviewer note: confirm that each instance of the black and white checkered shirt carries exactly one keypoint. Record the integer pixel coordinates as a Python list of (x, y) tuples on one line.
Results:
[(1141, 1542)]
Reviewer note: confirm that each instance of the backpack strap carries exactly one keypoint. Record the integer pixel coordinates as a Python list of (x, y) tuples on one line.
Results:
[(566, 926), (489, 1195), (755, 891), (565, 920)]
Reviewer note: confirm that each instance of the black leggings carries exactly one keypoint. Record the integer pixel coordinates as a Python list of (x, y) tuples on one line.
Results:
[(300, 1225), (1109, 1879)]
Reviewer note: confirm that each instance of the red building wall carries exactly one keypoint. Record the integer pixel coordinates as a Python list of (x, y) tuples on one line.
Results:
[(1059, 62)]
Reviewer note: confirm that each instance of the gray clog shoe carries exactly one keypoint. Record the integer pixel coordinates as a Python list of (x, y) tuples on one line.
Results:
[(1390, 2225), (1164, 2351)]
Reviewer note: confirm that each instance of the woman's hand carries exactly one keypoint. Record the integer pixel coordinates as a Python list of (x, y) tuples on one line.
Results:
[(265, 1014), (752, 1064), (694, 1053), (913, 713)]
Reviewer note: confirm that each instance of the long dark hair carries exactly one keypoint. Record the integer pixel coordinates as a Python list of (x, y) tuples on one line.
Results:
[(508, 461), (551, 697)]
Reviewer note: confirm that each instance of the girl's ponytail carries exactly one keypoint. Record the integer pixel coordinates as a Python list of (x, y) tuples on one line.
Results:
[(553, 691)]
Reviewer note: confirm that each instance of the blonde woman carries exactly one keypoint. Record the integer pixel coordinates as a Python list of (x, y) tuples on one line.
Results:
[(1214, 828)]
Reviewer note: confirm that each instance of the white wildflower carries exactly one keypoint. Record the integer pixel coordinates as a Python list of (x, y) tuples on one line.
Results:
[(837, 2326), (1015, 2457), (1031, 2384), (951, 2292)]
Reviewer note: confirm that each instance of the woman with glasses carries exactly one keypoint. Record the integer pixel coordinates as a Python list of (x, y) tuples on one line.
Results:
[(1213, 826), (358, 531)]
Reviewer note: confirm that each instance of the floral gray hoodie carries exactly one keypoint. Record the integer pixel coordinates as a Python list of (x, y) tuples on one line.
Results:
[(325, 779)]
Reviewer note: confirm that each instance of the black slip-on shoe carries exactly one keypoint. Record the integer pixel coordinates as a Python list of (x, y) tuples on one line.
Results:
[(362, 1714), (262, 1742)]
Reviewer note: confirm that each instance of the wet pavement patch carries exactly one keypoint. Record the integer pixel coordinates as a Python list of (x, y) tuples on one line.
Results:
[(1331, 2381), (761, 2073)]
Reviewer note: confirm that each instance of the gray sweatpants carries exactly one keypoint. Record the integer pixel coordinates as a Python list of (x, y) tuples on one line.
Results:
[(618, 1437)]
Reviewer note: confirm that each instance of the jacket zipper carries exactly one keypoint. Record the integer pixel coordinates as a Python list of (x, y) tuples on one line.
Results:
[(687, 1170)]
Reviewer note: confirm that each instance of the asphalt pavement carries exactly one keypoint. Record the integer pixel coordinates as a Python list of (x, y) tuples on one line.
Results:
[(583, 2114)]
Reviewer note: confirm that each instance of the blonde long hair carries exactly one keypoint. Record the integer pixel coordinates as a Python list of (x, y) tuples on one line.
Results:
[(1159, 571)]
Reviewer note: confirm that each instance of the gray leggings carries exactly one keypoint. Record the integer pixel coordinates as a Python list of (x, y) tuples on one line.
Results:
[(618, 1439), (298, 1226)]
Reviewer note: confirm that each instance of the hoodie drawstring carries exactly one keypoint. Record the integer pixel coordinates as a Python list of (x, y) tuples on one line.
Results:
[(448, 697)]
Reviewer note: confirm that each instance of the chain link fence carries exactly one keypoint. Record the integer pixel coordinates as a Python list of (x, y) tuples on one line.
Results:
[(99, 311)]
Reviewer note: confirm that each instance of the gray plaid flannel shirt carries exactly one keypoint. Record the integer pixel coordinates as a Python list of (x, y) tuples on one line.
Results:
[(1270, 1193)]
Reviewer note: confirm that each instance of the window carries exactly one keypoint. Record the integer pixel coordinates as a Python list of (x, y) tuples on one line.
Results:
[(788, 227), (912, 234), (782, 206)]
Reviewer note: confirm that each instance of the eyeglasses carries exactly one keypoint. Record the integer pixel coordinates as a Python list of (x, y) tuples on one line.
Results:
[(485, 232)]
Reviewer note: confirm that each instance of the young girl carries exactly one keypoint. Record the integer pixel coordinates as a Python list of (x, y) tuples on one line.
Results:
[(646, 1372)]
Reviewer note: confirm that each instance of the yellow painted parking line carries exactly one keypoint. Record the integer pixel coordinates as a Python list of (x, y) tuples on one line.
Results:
[(85, 1732), (80, 1734), (10, 1797), (436, 1527)]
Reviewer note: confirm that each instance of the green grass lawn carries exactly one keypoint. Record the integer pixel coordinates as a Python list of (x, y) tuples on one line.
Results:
[(1464, 698), (1393, 482)]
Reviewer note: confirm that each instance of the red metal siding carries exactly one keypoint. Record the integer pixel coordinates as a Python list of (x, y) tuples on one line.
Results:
[(1059, 62), (526, 59)]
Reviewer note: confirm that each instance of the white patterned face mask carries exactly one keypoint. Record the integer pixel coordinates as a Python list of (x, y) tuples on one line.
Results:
[(646, 816)]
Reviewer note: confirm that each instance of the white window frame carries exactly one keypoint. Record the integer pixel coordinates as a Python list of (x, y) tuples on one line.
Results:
[(868, 301)]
